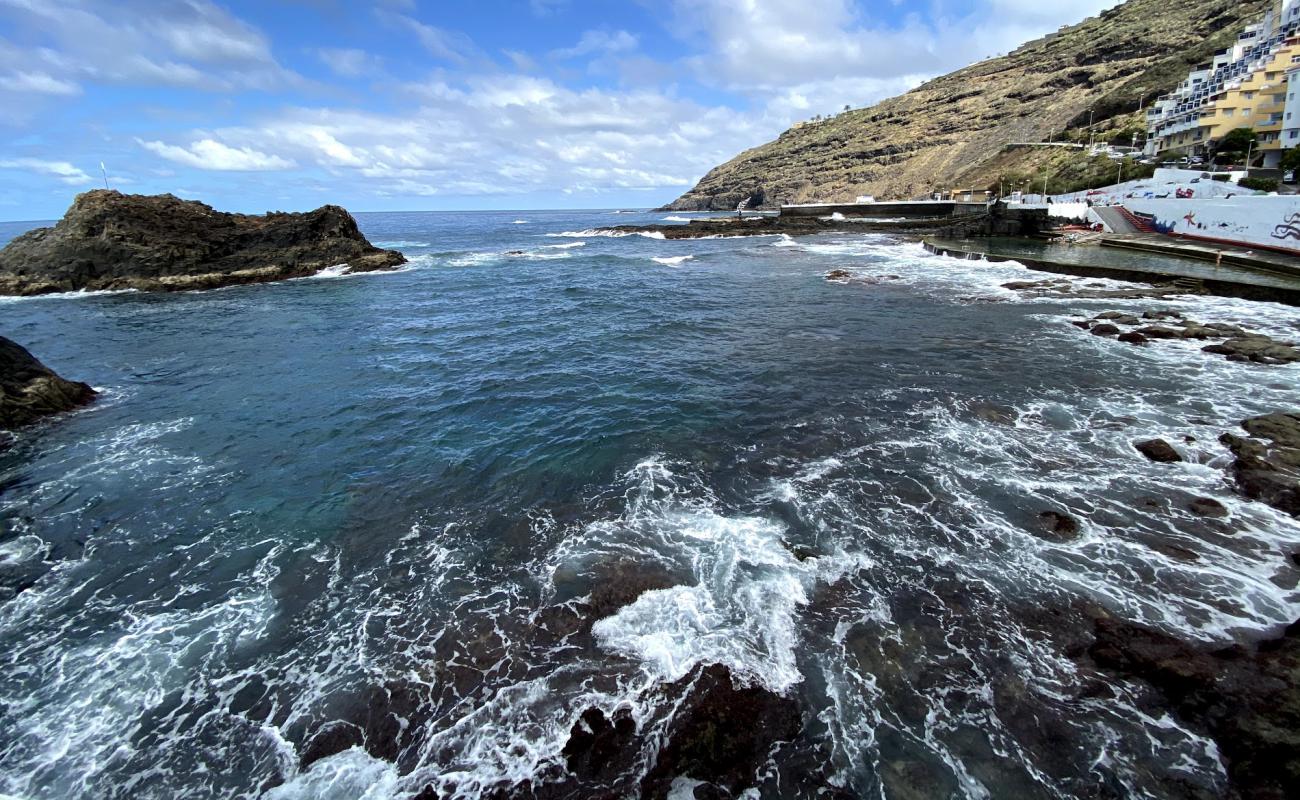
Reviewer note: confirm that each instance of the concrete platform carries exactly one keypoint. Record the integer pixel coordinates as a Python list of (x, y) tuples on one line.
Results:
[(1128, 264)]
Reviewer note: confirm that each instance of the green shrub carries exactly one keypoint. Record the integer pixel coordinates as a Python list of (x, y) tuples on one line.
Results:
[(1259, 184), (1224, 178)]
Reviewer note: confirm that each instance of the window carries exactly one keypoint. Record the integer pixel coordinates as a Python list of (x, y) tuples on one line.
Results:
[(1228, 112), (1245, 112)]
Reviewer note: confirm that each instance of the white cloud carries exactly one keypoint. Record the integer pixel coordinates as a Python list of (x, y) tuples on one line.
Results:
[(213, 155), (600, 43), (349, 62), (187, 43), (38, 83), (443, 44), (65, 172)]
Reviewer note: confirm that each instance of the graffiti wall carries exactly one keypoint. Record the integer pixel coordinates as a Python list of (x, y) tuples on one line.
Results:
[(1267, 220)]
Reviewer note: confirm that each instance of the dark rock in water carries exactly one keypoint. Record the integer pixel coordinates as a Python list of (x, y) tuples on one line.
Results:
[(1158, 450), (838, 275), (30, 390), (1246, 698), (1104, 329), (109, 240), (1133, 337), (997, 414), (1081, 323), (722, 733), (598, 749), (718, 731), (1268, 471), (1159, 332), (1161, 315), (1058, 526), (1207, 507), (1174, 551), (1257, 348), (1119, 318)]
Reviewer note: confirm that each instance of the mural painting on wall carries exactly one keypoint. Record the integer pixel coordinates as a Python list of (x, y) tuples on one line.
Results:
[(1289, 229)]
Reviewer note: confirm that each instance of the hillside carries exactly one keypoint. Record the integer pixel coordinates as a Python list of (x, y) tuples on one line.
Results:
[(949, 131)]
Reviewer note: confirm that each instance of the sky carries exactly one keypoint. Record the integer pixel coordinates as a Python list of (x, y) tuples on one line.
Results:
[(384, 105)]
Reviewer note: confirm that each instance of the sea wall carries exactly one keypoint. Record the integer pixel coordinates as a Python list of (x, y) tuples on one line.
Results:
[(921, 208), (1270, 221)]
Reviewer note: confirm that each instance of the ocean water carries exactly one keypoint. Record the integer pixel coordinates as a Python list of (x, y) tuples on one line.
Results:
[(376, 503)]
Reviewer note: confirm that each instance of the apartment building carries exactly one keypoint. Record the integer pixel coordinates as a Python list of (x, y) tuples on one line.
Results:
[(1247, 85)]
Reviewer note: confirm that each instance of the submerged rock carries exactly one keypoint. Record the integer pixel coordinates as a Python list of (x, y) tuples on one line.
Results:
[(1132, 337), (1207, 507), (110, 240), (1058, 526), (1269, 470), (1246, 698), (1105, 329), (30, 390), (1158, 450)]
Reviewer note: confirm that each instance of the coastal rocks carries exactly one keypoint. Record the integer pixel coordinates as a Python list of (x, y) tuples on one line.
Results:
[(1237, 343), (29, 390), (1246, 698), (839, 275), (1267, 466), (994, 413), (1255, 348), (1158, 450), (1207, 507), (1057, 526), (718, 733), (109, 240)]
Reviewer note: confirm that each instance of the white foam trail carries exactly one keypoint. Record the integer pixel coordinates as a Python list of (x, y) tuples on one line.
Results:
[(397, 244), (80, 294), (568, 246), (336, 271), (675, 219), (606, 233), (673, 261), (521, 222)]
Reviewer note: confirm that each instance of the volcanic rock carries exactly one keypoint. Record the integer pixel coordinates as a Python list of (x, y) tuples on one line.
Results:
[(1158, 450), (1104, 329), (1133, 337), (109, 240), (1257, 348), (1246, 698), (1058, 526), (1269, 470), (1207, 507), (30, 390)]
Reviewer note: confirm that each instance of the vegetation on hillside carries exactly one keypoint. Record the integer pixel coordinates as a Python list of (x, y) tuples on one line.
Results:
[(946, 132)]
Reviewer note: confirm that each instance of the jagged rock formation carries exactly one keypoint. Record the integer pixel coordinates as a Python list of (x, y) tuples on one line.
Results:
[(109, 240), (30, 390), (945, 132)]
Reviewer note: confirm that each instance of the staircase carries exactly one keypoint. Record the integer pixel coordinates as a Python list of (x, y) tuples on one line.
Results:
[(1142, 224)]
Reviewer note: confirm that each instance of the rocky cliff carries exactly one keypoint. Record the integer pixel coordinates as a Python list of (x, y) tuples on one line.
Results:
[(946, 132), (109, 240), (30, 390)]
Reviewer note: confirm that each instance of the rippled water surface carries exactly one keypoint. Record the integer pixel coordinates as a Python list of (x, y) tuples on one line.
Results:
[(384, 503)]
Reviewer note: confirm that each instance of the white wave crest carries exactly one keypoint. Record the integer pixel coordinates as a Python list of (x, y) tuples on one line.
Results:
[(673, 261)]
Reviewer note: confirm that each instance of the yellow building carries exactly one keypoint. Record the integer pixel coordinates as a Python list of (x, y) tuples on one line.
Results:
[(1245, 86)]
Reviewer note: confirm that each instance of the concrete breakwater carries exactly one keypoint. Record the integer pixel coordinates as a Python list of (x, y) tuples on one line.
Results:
[(1174, 273)]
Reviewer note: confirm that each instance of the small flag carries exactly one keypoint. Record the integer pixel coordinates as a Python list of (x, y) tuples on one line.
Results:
[(103, 169)]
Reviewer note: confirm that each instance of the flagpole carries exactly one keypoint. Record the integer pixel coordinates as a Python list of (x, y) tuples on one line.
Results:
[(104, 170)]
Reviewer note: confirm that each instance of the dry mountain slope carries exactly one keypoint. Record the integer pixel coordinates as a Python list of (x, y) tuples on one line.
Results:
[(940, 133)]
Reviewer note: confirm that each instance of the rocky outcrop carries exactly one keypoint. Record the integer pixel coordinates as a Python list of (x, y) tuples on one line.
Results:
[(29, 390), (1247, 698), (109, 240), (1267, 465), (951, 131)]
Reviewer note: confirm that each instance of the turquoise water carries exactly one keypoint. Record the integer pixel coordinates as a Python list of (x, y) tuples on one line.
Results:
[(373, 503)]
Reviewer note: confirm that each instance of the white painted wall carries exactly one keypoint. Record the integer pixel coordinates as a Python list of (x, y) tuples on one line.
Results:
[(1270, 220)]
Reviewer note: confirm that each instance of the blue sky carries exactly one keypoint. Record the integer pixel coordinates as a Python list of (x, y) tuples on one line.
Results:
[(434, 104)]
